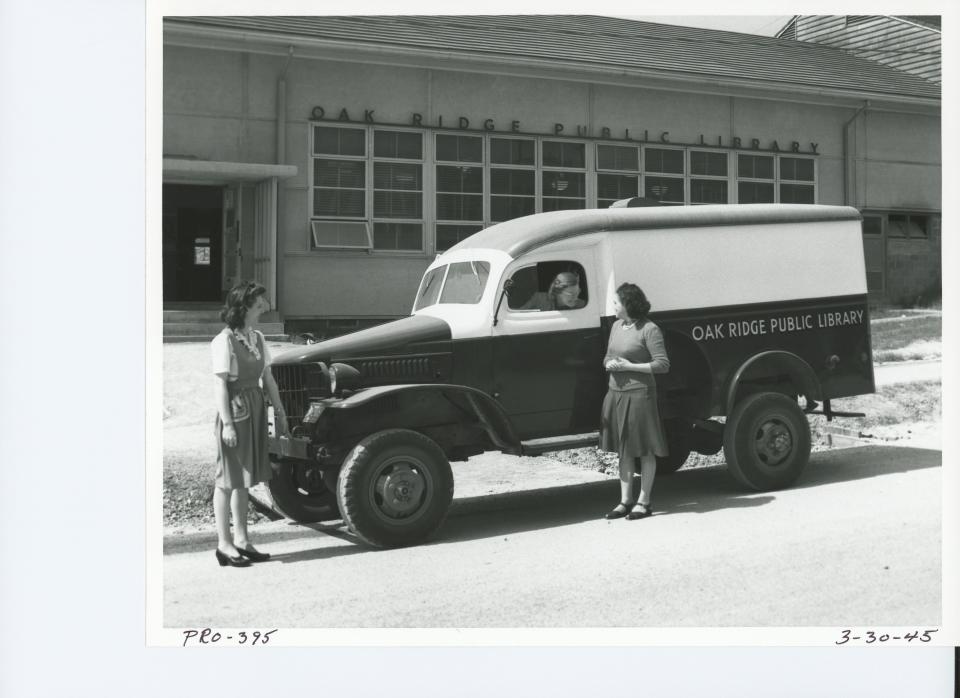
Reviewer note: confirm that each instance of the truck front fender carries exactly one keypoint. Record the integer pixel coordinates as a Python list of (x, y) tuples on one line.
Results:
[(488, 412)]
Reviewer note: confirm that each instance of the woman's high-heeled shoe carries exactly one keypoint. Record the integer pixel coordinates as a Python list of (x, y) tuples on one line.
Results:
[(640, 511), (254, 555), (237, 561), (617, 512)]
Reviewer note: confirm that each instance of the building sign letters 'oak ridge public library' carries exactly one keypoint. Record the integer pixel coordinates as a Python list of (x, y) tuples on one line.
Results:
[(463, 123)]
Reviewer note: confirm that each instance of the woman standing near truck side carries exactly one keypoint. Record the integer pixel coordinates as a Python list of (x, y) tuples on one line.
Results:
[(630, 420), (241, 361)]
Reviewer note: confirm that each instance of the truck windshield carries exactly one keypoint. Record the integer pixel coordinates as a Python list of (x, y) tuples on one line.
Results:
[(463, 283)]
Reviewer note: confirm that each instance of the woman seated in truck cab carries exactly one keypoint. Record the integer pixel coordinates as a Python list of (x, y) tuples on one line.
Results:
[(563, 294)]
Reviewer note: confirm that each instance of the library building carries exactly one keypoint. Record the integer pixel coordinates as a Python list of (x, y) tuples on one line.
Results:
[(332, 158)]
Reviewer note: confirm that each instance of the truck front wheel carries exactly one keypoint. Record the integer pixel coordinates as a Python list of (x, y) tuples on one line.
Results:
[(395, 488), (766, 441)]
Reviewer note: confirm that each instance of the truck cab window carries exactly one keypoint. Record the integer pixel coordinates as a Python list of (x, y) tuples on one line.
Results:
[(558, 285)]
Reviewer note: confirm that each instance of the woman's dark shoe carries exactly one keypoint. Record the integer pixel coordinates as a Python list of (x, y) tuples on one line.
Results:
[(237, 561), (640, 511), (619, 511), (253, 555)]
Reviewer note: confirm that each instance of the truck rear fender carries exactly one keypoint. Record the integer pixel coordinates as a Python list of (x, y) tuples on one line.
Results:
[(768, 365), (432, 409)]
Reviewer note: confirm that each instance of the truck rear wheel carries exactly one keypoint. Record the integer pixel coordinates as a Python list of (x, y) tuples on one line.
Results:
[(766, 441), (303, 492), (395, 488)]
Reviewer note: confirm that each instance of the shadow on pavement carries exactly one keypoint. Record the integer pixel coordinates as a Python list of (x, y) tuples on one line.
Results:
[(699, 491)]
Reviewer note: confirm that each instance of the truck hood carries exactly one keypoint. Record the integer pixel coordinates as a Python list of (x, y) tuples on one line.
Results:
[(396, 337)]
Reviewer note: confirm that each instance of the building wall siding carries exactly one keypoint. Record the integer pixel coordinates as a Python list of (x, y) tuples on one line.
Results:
[(888, 40), (221, 105)]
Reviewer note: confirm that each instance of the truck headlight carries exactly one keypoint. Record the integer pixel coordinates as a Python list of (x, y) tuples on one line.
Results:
[(342, 377)]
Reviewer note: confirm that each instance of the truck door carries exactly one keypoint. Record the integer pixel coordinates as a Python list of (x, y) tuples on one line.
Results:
[(548, 346)]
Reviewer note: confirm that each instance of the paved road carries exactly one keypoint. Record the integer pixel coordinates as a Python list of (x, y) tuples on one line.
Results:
[(906, 372), (855, 543)]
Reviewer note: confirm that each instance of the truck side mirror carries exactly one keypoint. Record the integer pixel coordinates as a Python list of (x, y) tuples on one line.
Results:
[(507, 285)]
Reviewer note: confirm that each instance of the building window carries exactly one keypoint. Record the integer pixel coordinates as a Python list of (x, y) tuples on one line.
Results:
[(657, 163), (796, 180), (459, 186), (708, 177), (755, 179), (563, 189), (901, 225), (618, 173), (339, 186), (513, 178), (397, 190)]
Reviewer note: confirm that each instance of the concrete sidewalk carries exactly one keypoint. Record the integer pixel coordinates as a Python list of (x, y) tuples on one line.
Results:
[(896, 372)]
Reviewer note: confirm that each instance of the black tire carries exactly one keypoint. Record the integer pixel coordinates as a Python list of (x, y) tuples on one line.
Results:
[(395, 488), (766, 441), (679, 448), (303, 492)]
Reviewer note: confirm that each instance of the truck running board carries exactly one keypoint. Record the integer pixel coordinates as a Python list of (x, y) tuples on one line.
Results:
[(536, 447)]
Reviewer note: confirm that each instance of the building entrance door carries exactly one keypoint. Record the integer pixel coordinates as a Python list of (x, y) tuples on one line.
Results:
[(192, 243)]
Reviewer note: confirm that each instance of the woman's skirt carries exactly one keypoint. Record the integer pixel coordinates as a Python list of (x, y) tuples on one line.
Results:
[(247, 463), (630, 424)]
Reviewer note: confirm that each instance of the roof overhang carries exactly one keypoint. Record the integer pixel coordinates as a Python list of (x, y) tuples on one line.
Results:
[(215, 172)]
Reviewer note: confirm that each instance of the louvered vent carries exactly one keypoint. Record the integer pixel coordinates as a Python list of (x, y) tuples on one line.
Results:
[(393, 369)]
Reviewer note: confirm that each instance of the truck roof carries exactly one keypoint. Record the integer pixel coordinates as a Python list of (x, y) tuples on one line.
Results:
[(521, 235)]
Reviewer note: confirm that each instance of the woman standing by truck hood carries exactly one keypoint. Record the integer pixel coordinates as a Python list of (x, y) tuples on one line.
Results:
[(630, 421)]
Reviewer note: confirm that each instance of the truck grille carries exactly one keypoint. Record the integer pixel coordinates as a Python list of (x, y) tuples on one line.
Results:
[(292, 382)]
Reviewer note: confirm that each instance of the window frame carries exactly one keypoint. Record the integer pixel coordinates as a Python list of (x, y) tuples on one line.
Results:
[(707, 177), (484, 202), (599, 171), (543, 169), (684, 177)]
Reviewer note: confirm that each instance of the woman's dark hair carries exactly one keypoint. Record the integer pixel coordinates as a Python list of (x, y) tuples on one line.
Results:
[(239, 298), (633, 301)]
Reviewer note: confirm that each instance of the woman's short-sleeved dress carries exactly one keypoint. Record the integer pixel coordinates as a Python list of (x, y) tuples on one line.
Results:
[(247, 463), (630, 420)]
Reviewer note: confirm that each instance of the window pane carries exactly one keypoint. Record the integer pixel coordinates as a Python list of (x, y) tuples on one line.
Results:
[(397, 204), (387, 175), (708, 191), (338, 141), (511, 151), (465, 282), (430, 288), (340, 234), (872, 225), (798, 169), (666, 189), (559, 204), (512, 182), (459, 148), (796, 194), (900, 225), (460, 207), (615, 157), (755, 166), (338, 202), (397, 236), (754, 193), (339, 173), (566, 184), (714, 164), (558, 154), (505, 208), (450, 235), (397, 144), (615, 187), (657, 160), (459, 179)]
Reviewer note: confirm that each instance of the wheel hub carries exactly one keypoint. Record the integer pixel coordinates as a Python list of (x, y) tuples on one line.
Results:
[(774, 442), (400, 491), (309, 479)]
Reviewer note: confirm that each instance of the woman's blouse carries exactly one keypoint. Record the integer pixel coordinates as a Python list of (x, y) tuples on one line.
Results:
[(640, 344), (225, 361)]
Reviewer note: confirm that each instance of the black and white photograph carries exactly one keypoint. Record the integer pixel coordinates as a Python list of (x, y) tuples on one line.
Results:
[(498, 350), (483, 320)]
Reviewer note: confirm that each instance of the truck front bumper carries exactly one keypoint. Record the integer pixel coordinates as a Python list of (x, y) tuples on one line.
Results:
[(289, 447)]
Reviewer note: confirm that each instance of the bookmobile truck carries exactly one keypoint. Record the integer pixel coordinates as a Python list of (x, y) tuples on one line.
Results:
[(764, 312)]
